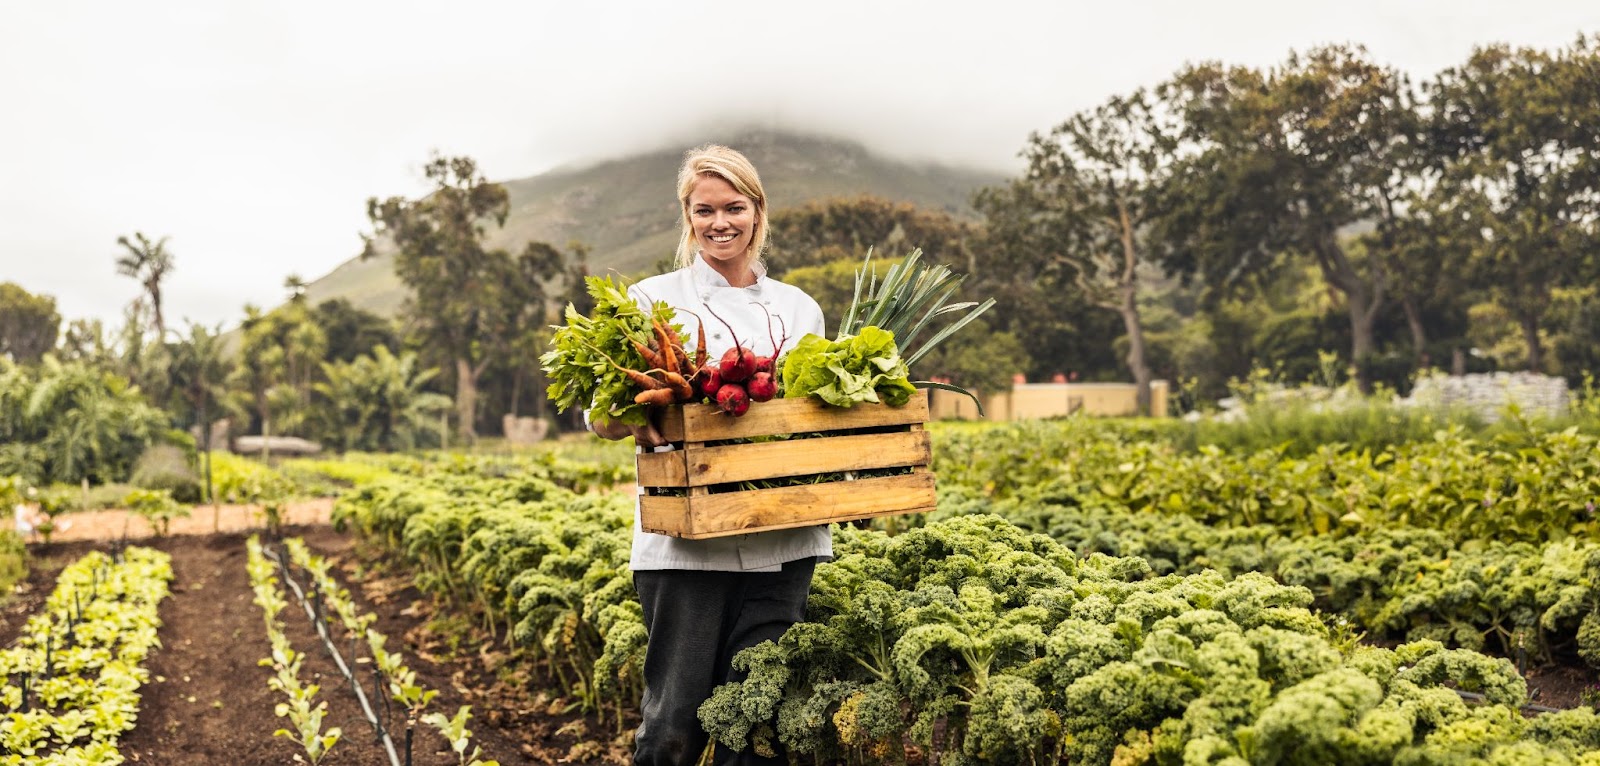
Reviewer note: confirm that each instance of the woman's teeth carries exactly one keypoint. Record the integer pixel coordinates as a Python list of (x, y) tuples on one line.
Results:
[(722, 238)]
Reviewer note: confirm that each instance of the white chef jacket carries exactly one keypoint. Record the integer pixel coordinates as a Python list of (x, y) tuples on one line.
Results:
[(745, 309)]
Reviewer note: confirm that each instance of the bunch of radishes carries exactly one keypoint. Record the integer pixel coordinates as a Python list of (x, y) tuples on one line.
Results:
[(740, 377)]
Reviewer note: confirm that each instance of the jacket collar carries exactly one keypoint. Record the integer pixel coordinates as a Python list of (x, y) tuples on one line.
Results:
[(706, 276)]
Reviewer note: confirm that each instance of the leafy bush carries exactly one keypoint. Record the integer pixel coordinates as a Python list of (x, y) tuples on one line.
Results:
[(69, 421), (166, 467), (13, 561), (156, 507)]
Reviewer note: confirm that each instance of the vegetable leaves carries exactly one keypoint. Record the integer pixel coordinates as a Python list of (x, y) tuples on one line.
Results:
[(859, 368), (582, 364)]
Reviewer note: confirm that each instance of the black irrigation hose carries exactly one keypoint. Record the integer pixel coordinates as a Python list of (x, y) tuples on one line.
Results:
[(1529, 708), (338, 660)]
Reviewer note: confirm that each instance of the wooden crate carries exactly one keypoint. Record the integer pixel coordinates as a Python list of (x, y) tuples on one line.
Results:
[(898, 439)]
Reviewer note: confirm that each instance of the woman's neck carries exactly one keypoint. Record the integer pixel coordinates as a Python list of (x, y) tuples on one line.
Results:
[(738, 273)]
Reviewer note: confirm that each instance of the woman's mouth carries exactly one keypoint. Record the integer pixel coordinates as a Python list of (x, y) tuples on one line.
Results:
[(722, 239)]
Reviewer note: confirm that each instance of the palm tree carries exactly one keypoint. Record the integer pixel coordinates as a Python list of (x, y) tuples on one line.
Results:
[(261, 369), (87, 423), (149, 262), (378, 402), (200, 373), (296, 285)]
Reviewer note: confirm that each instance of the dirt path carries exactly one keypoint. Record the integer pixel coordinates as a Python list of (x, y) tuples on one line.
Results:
[(202, 520)]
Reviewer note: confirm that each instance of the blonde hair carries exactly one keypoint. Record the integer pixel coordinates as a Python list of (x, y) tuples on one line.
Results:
[(730, 166)]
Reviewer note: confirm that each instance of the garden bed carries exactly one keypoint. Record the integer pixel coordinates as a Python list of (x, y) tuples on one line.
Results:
[(207, 701)]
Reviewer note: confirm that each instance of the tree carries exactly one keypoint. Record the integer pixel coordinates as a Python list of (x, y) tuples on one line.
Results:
[(378, 402), (149, 263), (1085, 205), (822, 231), (296, 285), (74, 422), (1515, 130), (1290, 159), (85, 340), (466, 299), (351, 331), (29, 324), (262, 368), (200, 373)]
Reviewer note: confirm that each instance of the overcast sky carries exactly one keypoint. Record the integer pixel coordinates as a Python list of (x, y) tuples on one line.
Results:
[(252, 133)]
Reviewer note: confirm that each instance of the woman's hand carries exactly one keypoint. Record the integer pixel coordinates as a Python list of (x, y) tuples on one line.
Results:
[(645, 436)]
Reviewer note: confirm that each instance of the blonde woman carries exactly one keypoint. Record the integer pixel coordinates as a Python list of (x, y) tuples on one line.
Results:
[(705, 600)]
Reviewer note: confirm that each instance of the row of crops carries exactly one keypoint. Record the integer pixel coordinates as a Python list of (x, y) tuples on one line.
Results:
[(1086, 593), (73, 676), (396, 701)]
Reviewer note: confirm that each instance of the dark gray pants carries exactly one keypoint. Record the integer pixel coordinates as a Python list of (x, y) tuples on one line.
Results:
[(697, 621)]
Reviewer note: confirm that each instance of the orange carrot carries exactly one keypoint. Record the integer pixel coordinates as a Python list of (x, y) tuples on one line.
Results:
[(660, 397), (681, 390), (664, 343), (651, 358)]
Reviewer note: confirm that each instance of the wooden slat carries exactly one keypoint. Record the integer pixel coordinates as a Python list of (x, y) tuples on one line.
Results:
[(703, 422), (733, 513), (771, 460)]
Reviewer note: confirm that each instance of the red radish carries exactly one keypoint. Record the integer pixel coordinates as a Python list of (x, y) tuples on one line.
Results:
[(738, 363), (732, 399), (766, 363), (761, 387), (710, 380)]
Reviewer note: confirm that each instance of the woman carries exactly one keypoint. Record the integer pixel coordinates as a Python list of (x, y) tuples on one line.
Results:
[(705, 600)]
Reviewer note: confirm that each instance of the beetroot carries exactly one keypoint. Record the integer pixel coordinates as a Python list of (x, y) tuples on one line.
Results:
[(738, 364), (761, 387), (732, 399), (709, 380), (763, 364)]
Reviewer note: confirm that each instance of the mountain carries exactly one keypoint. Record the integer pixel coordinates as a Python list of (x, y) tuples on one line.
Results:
[(625, 209)]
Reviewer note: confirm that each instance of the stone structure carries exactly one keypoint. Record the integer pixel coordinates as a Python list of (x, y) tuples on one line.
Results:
[(1488, 394), (524, 430), (1048, 400)]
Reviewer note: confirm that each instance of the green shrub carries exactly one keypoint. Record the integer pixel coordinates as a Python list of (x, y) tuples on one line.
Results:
[(13, 561), (157, 507), (166, 467)]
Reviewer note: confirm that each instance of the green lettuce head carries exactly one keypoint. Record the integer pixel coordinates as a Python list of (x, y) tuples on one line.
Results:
[(860, 368)]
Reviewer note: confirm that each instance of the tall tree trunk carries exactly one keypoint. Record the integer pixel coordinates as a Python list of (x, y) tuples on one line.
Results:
[(516, 388), (161, 323), (1136, 347), (1363, 299), (266, 425), (1128, 307), (466, 399), (1529, 320), (1419, 334)]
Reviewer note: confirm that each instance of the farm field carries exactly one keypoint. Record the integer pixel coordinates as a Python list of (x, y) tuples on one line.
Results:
[(1086, 592)]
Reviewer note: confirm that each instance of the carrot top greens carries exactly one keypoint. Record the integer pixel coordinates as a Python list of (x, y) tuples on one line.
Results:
[(583, 364)]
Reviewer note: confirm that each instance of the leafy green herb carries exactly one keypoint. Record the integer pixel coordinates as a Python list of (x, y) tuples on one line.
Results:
[(580, 365)]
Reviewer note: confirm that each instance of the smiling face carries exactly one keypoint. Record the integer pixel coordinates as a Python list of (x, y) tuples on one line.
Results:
[(724, 223)]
